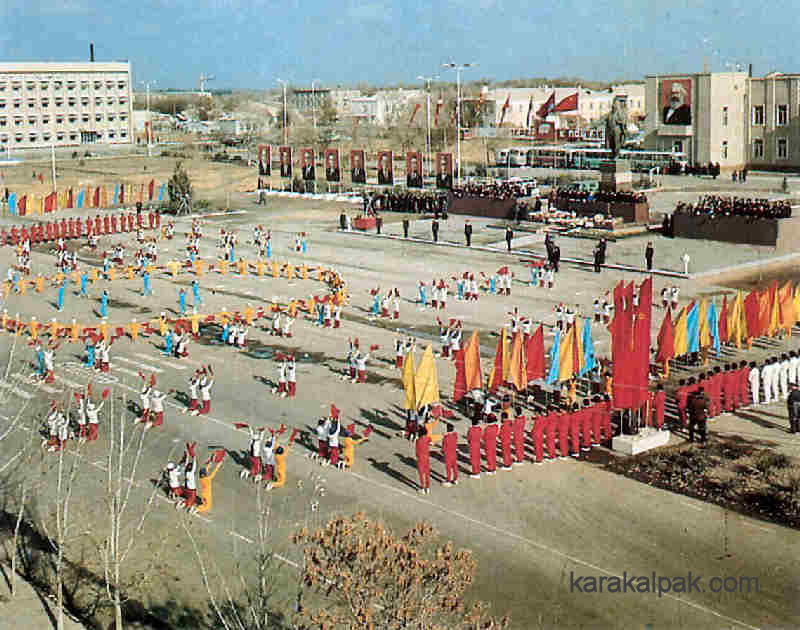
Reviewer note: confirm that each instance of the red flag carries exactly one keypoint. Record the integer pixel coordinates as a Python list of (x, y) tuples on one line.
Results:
[(666, 339), (151, 189), (640, 370), (547, 106), (506, 105), (334, 411), (241, 425), (722, 325), (219, 455), (106, 392), (414, 113), (567, 104), (497, 372), (751, 314), (534, 355)]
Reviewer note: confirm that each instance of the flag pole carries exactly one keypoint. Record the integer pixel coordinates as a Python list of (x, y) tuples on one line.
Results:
[(53, 160)]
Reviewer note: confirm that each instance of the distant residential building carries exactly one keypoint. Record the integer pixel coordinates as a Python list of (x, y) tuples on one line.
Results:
[(65, 104), (231, 127)]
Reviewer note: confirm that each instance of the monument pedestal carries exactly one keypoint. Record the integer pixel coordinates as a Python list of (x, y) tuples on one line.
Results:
[(647, 439), (615, 175)]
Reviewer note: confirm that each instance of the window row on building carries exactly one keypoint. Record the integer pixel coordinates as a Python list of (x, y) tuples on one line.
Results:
[(59, 119), (58, 101), (73, 135), (19, 86)]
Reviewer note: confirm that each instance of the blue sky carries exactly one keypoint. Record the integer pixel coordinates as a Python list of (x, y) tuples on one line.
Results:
[(247, 44)]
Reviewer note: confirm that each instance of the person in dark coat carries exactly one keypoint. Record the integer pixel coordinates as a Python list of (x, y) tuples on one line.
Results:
[(793, 404), (509, 236), (648, 255), (435, 230), (698, 414), (405, 228), (468, 233)]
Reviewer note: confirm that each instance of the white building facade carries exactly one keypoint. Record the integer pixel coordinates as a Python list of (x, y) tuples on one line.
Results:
[(65, 104)]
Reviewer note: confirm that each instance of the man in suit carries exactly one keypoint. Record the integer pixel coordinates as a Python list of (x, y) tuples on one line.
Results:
[(468, 233), (331, 168), (444, 179), (385, 177), (357, 173), (308, 166), (677, 112), (286, 164), (413, 177)]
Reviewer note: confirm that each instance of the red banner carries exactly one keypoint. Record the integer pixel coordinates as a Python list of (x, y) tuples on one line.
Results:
[(444, 170), (264, 159), (307, 164), (285, 154)]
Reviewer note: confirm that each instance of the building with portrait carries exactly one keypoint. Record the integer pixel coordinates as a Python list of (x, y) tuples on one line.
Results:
[(730, 118), (65, 104)]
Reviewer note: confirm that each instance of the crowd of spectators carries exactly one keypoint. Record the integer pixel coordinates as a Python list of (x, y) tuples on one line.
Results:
[(498, 191), (413, 202), (717, 205), (621, 196)]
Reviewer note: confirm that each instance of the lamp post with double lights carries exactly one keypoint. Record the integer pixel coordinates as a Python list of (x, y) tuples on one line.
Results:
[(147, 85), (458, 68)]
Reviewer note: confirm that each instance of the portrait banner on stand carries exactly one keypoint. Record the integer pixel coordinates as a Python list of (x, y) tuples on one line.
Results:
[(358, 173), (285, 154), (307, 164), (332, 173), (264, 160), (385, 169), (413, 169), (444, 170)]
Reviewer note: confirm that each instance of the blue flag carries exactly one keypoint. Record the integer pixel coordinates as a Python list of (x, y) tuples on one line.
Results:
[(12, 203), (116, 195), (161, 192), (588, 348), (79, 201), (693, 328), (555, 364), (713, 326)]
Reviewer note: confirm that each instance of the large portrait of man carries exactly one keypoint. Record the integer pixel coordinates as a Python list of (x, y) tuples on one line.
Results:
[(307, 164), (385, 173), (676, 101), (264, 159), (357, 173), (332, 165), (444, 170), (285, 154), (414, 169)]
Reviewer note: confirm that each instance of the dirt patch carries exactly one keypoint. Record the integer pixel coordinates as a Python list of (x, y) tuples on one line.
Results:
[(734, 473)]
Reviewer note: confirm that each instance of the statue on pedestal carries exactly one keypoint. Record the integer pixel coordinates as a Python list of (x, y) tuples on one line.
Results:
[(617, 126)]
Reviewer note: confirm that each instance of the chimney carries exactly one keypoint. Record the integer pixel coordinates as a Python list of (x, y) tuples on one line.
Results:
[(91, 52), (750, 70)]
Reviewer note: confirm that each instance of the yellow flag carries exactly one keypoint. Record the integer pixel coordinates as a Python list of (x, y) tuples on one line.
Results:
[(736, 321), (517, 369), (426, 382), (565, 360), (682, 333), (472, 363), (408, 381), (703, 331), (506, 357)]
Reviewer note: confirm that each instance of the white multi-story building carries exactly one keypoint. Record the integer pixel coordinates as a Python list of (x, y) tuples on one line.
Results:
[(65, 104)]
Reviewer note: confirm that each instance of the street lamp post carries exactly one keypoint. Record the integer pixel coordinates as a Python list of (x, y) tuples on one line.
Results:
[(283, 83), (458, 68), (147, 85), (427, 81)]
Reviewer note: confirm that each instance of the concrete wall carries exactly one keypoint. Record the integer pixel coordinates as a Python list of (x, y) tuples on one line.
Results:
[(783, 234)]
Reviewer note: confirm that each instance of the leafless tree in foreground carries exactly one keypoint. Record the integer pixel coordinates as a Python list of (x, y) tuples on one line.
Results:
[(370, 579)]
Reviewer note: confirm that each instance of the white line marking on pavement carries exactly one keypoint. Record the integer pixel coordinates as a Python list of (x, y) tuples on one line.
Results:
[(123, 370), (151, 368), (544, 547), (16, 390), (174, 366), (37, 384)]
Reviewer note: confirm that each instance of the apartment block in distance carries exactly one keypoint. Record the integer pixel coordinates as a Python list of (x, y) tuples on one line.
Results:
[(65, 104)]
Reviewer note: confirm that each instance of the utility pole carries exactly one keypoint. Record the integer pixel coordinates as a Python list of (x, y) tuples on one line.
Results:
[(285, 133), (458, 68), (314, 105)]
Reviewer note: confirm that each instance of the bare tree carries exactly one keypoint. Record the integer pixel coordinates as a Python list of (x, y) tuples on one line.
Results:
[(372, 579)]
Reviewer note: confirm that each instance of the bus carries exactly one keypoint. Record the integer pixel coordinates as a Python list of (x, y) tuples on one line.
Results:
[(511, 156), (590, 157)]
